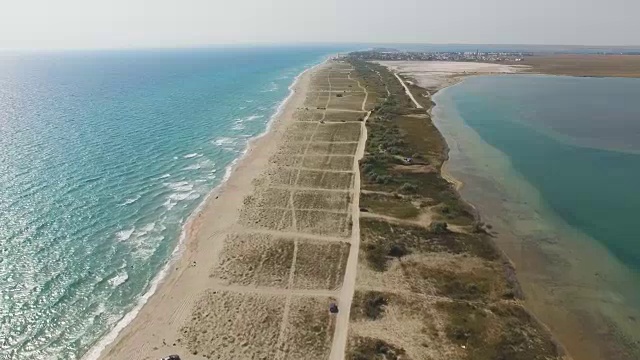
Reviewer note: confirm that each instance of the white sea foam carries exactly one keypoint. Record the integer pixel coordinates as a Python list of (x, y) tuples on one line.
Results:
[(130, 201), (164, 176), (168, 204), (119, 279), (174, 198), (99, 310), (202, 164), (193, 167), (97, 349), (253, 117), (192, 195), (124, 235), (192, 155), (272, 87), (224, 141), (239, 123), (146, 229), (181, 186)]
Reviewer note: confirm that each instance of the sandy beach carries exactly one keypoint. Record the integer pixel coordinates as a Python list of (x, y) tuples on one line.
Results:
[(266, 254)]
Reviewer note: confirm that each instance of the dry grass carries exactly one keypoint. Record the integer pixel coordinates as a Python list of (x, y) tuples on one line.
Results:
[(268, 197), (585, 65), (325, 200), (325, 180), (309, 329), (219, 327), (350, 101), (323, 223), (328, 162), (342, 116), (320, 266), (337, 132), (254, 259), (390, 205), (331, 148), (267, 218)]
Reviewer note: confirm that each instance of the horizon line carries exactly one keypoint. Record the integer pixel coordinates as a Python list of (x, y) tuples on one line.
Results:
[(318, 43)]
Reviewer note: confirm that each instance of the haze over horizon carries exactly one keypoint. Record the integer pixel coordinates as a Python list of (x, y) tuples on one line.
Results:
[(77, 24)]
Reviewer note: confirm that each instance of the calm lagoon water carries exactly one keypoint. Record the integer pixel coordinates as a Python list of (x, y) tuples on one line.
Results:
[(103, 156), (553, 163)]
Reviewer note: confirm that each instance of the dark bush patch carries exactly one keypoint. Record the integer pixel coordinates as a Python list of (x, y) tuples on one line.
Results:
[(439, 227), (365, 348), (368, 305)]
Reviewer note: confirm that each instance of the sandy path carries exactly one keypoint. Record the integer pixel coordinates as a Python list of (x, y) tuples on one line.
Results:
[(406, 89), (341, 333)]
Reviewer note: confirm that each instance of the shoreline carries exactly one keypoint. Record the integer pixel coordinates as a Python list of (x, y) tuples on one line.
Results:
[(190, 226), (537, 299), (459, 184)]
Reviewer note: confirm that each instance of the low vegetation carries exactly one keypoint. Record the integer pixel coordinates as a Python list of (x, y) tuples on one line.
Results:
[(499, 331), (374, 349), (369, 305), (439, 279)]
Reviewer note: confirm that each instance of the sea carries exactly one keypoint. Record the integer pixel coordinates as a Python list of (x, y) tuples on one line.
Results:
[(552, 163), (104, 155)]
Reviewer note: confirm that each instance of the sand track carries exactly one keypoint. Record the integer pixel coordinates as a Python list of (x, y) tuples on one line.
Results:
[(346, 296)]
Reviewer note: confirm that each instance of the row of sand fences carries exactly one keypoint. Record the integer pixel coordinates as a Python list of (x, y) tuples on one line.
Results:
[(284, 265), (430, 282)]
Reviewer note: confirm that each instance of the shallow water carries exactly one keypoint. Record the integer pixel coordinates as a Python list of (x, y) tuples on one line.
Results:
[(103, 156), (537, 165)]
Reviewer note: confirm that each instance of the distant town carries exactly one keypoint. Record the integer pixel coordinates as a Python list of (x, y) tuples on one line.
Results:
[(393, 54)]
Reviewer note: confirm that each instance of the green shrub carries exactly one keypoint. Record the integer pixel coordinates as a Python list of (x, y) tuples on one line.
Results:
[(408, 188), (439, 227)]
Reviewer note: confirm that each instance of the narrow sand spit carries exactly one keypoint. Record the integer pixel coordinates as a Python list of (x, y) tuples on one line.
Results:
[(267, 254)]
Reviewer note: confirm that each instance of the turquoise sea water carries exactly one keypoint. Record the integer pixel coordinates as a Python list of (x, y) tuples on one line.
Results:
[(554, 162), (103, 156)]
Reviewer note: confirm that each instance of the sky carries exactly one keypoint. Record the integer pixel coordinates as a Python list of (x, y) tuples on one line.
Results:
[(62, 24)]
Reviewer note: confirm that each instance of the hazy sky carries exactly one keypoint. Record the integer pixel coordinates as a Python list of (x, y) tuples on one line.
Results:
[(168, 23)]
